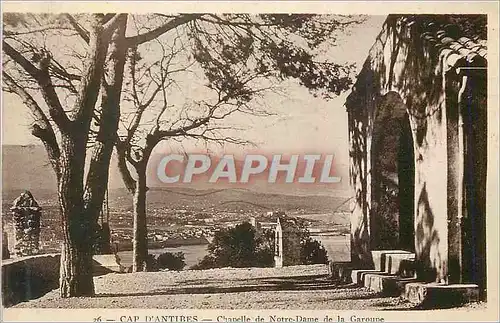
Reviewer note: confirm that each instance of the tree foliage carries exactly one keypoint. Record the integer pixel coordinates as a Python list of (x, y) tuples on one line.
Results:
[(237, 247), (171, 261), (313, 252)]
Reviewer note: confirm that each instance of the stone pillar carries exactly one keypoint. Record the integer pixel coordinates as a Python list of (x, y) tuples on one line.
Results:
[(455, 174), (26, 218), (466, 116), (474, 134)]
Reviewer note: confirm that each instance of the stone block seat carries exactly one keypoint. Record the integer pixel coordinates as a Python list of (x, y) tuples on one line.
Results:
[(380, 257), (394, 274), (386, 284), (358, 275), (389, 273), (435, 295), (400, 264), (392, 271)]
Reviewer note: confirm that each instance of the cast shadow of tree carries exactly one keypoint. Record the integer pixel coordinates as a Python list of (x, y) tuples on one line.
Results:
[(427, 238), (301, 283)]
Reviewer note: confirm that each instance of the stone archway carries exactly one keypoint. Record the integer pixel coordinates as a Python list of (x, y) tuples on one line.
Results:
[(392, 176)]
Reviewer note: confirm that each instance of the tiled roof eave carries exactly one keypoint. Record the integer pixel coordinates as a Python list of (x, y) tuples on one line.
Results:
[(453, 60)]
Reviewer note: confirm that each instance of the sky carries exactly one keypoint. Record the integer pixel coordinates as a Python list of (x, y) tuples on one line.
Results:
[(304, 123)]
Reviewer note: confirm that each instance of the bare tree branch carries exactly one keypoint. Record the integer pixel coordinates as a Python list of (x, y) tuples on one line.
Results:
[(112, 23), (128, 180), (42, 76), (93, 70), (21, 60), (84, 34)]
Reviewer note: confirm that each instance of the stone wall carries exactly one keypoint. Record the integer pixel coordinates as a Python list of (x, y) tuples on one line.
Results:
[(33, 276), (29, 277)]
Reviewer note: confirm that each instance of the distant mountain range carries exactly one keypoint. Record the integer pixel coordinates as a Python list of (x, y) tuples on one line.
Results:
[(229, 199)]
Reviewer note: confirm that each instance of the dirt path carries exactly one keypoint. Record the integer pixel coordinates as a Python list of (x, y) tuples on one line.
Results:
[(298, 287)]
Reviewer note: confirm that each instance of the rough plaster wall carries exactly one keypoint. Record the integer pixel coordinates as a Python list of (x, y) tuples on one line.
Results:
[(400, 62), (360, 232), (431, 224)]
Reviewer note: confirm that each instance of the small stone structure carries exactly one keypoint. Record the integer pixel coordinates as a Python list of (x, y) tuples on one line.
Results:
[(286, 238), (278, 245), (26, 217)]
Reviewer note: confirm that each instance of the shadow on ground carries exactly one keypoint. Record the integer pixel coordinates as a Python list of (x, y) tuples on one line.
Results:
[(282, 284)]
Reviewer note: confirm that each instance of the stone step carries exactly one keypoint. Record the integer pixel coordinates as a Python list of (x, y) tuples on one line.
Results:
[(434, 295), (358, 275), (401, 264), (387, 285), (379, 257)]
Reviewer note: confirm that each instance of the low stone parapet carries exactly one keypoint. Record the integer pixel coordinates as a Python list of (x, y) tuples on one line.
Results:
[(340, 272), (105, 264), (29, 277)]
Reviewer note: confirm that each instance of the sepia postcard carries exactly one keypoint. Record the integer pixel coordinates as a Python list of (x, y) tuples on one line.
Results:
[(250, 161)]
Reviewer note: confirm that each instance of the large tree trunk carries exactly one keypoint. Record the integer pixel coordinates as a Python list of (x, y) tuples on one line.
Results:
[(76, 254), (140, 244), (76, 277), (98, 175)]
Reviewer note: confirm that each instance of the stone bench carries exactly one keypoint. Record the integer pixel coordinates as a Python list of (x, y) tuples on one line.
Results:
[(400, 264), (379, 257), (358, 275), (385, 284), (435, 295)]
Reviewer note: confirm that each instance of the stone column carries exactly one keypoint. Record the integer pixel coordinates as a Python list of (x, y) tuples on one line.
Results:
[(455, 175)]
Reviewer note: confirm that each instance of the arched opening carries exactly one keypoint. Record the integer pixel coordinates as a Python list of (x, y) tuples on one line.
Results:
[(392, 177)]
